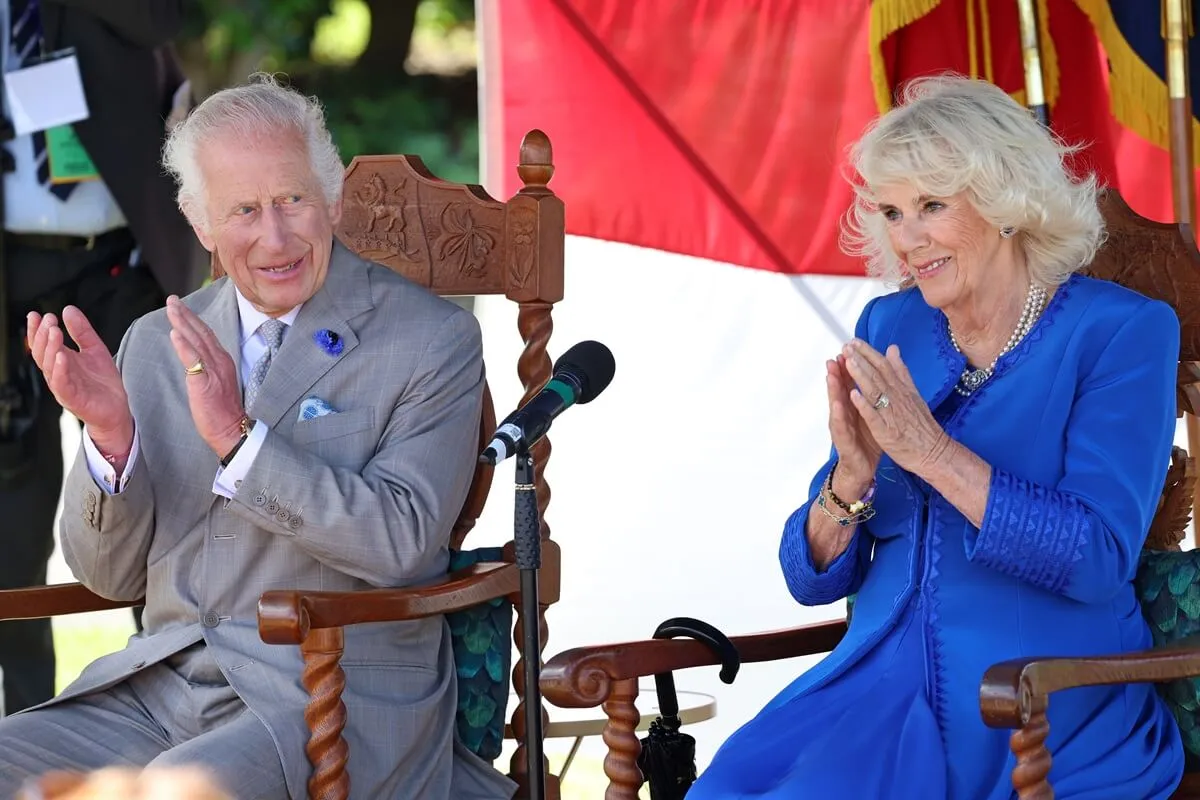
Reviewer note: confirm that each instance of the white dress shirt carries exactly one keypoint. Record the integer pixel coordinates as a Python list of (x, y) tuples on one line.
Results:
[(228, 478), (28, 206)]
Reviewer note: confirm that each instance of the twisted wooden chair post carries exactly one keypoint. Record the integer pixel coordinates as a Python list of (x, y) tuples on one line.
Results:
[(325, 681), (620, 736), (534, 279)]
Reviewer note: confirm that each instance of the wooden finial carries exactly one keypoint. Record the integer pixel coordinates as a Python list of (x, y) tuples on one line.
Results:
[(537, 160)]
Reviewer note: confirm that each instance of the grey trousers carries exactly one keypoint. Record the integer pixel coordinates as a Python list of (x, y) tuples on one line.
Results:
[(157, 718)]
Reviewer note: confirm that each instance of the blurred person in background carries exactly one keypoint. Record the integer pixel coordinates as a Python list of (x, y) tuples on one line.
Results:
[(89, 220), (123, 783)]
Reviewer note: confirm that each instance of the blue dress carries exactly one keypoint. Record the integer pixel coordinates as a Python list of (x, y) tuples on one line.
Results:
[(1077, 423)]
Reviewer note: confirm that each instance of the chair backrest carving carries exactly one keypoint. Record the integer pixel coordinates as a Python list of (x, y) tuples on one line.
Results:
[(1160, 260)]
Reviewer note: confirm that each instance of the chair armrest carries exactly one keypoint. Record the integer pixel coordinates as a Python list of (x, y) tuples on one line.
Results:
[(52, 601), (583, 676), (287, 616), (1013, 691)]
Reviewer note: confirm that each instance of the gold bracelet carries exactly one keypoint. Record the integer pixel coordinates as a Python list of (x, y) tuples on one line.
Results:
[(857, 506), (857, 517)]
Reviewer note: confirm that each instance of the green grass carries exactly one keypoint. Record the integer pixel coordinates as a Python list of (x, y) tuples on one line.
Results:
[(78, 643)]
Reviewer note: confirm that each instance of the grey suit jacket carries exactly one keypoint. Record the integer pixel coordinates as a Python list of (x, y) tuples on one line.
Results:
[(362, 498)]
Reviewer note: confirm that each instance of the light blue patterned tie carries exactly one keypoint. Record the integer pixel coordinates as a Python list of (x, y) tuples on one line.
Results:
[(272, 331)]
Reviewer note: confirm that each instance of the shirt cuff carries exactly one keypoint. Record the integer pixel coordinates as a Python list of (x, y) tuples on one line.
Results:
[(229, 479), (103, 472)]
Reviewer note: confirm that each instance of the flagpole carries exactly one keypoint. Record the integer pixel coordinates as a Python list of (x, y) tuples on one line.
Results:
[(1031, 51), (1178, 31), (1178, 25)]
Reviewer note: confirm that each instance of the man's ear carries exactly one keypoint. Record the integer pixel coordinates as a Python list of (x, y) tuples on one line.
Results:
[(206, 238), (335, 212)]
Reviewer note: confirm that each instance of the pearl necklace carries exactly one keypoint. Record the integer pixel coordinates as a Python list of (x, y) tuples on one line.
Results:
[(972, 379)]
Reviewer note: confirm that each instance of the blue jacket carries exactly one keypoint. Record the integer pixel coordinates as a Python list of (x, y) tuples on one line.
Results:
[(1077, 424)]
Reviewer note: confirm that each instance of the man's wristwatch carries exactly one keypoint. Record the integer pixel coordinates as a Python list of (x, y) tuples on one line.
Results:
[(246, 425)]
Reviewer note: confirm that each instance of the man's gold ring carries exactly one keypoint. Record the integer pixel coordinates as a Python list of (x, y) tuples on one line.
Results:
[(195, 369), (882, 402)]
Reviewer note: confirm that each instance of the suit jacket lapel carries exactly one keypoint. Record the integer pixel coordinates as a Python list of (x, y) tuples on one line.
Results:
[(222, 316), (302, 361)]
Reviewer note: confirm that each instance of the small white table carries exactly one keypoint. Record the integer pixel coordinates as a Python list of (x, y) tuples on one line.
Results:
[(578, 723)]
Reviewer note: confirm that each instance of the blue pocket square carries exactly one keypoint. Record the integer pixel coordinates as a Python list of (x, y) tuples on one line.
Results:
[(313, 407)]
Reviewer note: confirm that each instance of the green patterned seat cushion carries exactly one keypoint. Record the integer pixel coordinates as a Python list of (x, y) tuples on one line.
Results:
[(481, 637), (1168, 589)]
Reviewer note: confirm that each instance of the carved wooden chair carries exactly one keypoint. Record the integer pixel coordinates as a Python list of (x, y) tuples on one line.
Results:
[(456, 240), (1158, 260)]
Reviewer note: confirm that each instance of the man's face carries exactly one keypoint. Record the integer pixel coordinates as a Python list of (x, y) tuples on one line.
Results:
[(268, 220)]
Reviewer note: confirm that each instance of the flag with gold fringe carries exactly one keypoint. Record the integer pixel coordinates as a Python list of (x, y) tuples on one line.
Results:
[(1103, 69)]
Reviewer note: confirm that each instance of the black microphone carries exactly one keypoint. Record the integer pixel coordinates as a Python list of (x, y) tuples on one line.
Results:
[(580, 374)]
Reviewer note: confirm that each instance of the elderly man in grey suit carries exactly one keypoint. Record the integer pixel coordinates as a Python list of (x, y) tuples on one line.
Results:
[(308, 421)]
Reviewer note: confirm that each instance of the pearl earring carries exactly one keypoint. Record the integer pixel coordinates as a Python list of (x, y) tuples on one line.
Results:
[(1008, 231)]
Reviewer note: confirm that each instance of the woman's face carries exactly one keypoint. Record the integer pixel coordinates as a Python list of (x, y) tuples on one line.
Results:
[(942, 242)]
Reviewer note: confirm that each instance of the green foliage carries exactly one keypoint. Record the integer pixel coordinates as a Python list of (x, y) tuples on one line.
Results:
[(315, 43), (282, 29), (404, 118), (341, 37), (444, 15)]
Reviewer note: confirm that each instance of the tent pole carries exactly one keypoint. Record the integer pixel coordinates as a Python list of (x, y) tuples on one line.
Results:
[(1178, 32)]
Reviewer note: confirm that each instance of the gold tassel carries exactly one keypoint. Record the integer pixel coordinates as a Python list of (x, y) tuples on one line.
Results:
[(984, 14), (887, 17), (1049, 55)]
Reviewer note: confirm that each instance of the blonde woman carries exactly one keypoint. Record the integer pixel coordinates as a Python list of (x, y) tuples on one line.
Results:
[(1001, 428)]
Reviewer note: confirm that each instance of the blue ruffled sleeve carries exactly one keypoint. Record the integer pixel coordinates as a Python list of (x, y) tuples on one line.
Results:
[(844, 575), (1082, 538)]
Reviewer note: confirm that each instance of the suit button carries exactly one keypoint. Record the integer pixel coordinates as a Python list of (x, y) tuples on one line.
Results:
[(260, 499), (272, 507), (283, 516), (210, 620), (295, 522)]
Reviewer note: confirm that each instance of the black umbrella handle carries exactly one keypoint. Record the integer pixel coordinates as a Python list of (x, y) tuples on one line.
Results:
[(677, 627)]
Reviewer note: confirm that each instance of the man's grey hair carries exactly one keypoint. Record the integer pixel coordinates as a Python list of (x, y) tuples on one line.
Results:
[(261, 106)]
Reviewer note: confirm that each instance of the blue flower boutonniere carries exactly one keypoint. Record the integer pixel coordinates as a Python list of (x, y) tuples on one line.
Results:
[(329, 341)]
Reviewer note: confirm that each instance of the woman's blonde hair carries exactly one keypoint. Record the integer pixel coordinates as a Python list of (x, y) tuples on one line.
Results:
[(951, 134)]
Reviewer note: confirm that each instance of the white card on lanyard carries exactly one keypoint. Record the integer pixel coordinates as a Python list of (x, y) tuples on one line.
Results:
[(46, 94)]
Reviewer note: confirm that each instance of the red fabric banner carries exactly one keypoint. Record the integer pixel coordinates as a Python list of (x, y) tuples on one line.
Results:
[(719, 129), (711, 129)]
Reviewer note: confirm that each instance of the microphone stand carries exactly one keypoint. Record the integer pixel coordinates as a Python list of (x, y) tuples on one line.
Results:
[(527, 541)]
